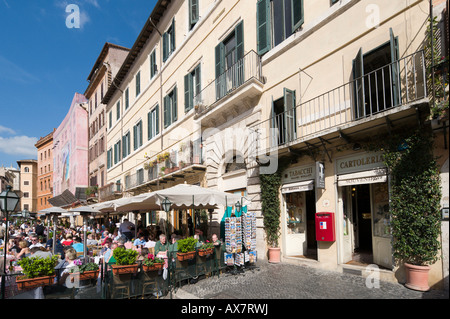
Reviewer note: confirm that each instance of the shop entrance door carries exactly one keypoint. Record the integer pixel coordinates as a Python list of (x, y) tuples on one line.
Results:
[(366, 231), (299, 228)]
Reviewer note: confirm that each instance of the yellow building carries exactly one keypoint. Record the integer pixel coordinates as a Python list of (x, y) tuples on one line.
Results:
[(44, 171), (211, 90)]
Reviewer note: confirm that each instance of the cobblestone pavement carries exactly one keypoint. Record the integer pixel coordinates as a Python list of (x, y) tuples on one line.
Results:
[(287, 281)]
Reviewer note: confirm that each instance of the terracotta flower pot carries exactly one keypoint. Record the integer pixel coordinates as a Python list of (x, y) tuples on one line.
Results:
[(205, 252), (274, 255), (31, 283), (152, 268), (417, 277), (124, 269), (186, 256)]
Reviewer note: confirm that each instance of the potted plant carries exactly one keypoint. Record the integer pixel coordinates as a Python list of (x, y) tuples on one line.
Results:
[(186, 248), (125, 261), (415, 207), (206, 249), (151, 263), (85, 271), (37, 272)]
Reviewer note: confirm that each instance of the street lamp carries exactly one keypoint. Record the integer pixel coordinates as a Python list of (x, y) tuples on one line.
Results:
[(166, 203), (8, 203), (238, 207)]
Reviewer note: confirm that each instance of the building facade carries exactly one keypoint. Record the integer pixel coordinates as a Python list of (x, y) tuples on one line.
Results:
[(70, 154), (216, 93), (44, 171), (28, 184), (104, 70)]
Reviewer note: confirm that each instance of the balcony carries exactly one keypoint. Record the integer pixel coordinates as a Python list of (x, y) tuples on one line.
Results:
[(184, 160), (233, 91), (109, 192), (389, 93)]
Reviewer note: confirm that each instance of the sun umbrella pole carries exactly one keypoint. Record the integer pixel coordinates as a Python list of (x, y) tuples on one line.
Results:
[(54, 233), (84, 236)]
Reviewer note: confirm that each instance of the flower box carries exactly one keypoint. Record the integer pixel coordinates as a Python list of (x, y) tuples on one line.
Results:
[(31, 283), (125, 269), (205, 252), (186, 256), (156, 266), (87, 275)]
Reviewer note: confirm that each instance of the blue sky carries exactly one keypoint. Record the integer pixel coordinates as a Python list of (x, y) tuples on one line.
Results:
[(43, 62)]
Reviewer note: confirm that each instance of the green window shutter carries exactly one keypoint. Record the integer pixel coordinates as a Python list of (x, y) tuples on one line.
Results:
[(193, 13), (290, 115), (128, 143), (124, 148), (140, 132), (358, 72), (152, 64), (174, 105), (149, 125), (172, 36), (166, 111), (118, 110), (263, 26), (127, 98), (108, 159), (198, 83), (110, 119), (165, 46), (157, 119), (138, 83), (134, 137), (187, 92), (395, 68), (239, 33), (220, 69), (297, 14)]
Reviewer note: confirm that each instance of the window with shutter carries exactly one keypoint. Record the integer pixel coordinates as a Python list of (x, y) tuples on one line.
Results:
[(263, 26), (169, 41), (138, 83), (118, 110), (192, 87), (170, 108), (127, 98), (193, 13), (153, 68)]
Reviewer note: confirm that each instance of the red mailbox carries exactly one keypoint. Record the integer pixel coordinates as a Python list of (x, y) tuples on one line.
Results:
[(325, 227)]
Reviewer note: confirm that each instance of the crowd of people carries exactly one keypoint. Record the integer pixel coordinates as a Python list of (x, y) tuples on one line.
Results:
[(34, 239)]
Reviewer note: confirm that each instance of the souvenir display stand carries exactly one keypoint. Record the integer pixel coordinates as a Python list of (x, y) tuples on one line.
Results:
[(240, 240)]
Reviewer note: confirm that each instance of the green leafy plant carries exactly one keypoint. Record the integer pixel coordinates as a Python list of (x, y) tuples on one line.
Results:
[(415, 199), (206, 245), (33, 267), (187, 244), (125, 256), (270, 187), (85, 267)]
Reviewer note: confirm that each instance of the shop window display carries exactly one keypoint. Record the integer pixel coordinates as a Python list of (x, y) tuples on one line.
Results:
[(296, 208)]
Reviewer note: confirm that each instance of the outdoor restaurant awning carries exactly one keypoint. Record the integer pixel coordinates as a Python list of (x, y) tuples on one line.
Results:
[(182, 196)]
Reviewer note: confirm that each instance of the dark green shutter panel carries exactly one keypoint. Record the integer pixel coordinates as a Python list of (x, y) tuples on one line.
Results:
[(290, 115), (263, 26), (239, 32), (138, 83), (140, 132), (187, 92), (166, 111), (165, 46), (172, 37), (198, 83), (128, 143), (220, 69), (157, 119), (149, 125), (174, 105), (108, 159), (297, 14), (395, 72), (127, 99), (193, 12), (124, 148), (358, 72), (134, 137)]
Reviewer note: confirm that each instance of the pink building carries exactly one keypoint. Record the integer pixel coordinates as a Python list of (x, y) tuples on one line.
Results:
[(70, 154)]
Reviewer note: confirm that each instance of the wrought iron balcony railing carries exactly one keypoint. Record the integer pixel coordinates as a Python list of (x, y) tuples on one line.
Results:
[(244, 70), (396, 84)]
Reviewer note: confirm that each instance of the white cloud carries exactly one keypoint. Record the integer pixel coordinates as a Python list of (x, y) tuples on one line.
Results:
[(19, 146), (4, 129)]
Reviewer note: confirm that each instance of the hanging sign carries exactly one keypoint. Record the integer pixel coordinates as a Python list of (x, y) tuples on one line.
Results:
[(320, 175)]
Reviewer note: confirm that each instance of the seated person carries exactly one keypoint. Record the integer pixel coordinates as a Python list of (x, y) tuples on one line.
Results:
[(24, 250), (140, 241), (90, 240), (40, 252), (77, 244), (68, 240)]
